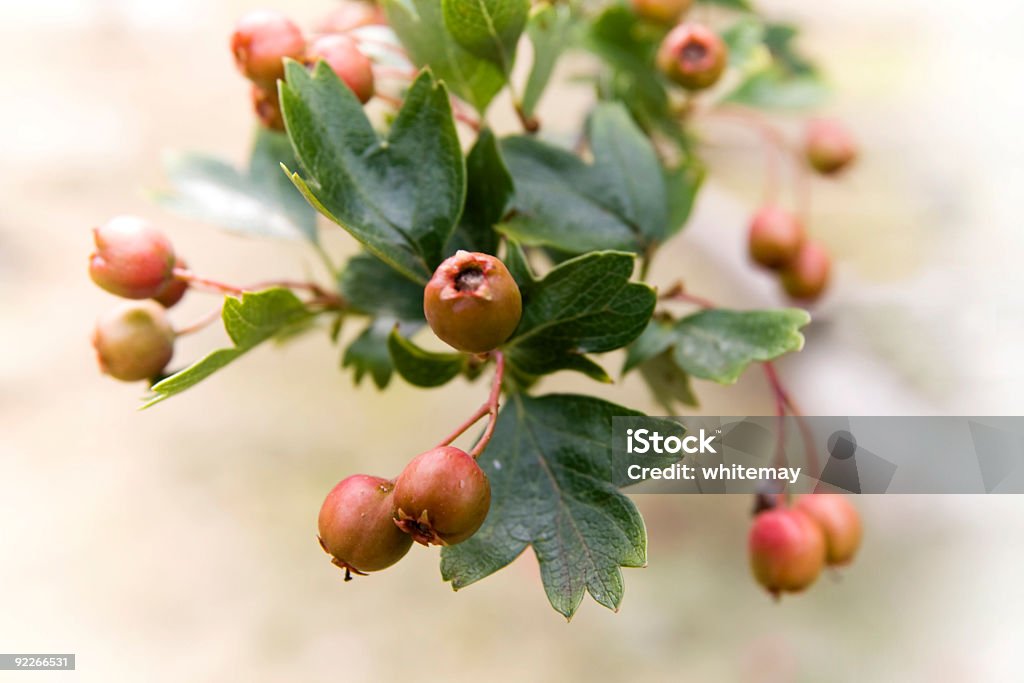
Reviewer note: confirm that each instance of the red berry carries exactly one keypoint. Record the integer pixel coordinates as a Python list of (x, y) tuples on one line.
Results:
[(806, 276), (132, 259), (441, 497), (661, 11), (134, 341), (472, 303), (352, 15), (829, 146), (693, 56), (262, 39), (787, 550), (351, 65), (175, 289), (356, 525), (775, 237), (267, 106), (839, 521)]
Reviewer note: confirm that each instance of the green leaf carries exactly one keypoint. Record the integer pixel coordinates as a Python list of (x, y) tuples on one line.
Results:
[(773, 89), (400, 196), (738, 5), (258, 201), (669, 384), (249, 321), (682, 184), (550, 467), (719, 344), (420, 25), (489, 189), (656, 338), (549, 31), (745, 40), (423, 368), (368, 353), (488, 29), (585, 305), (369, 286)]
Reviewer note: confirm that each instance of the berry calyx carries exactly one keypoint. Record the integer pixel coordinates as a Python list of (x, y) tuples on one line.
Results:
[(132, 259), (261, 41), (134, 341), (775, 237), (267, 106), (175, 289), (693, 56), (472, 303), (661, 11), (829, 146), (840, 522), (345, 59), (356, 527), (806, 276), (441, 497), (352, 15), (787, 550)]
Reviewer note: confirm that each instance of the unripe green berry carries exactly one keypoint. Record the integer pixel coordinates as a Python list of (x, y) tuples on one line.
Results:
[(787, 550), (441, 497), (134, 341), (775, 237), (345, 59), (472, 303), (352, 15), (661, 11), (261, 41), (175, 289), (806, 276), (693, 56), (839, 521), (829, 147), (132, 259), (356, 526), (267, 107)]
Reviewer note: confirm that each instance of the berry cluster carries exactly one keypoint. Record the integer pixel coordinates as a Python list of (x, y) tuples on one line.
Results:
[(790, 546), (263, 39)]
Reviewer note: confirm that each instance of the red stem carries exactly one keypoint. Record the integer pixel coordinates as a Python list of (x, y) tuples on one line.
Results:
[(200, 324), (490, 407), (321, 295)]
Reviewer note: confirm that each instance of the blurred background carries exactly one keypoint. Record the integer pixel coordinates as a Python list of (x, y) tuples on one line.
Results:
[(179, 543)]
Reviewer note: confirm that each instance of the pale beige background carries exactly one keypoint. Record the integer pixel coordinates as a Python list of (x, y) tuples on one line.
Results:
[(178, 544)]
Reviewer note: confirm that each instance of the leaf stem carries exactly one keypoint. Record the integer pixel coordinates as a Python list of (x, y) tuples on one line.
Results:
[(490, 407), (321, 295), (677, 292)]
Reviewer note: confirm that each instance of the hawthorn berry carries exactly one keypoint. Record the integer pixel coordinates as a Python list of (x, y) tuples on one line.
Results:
[(787, 550), (472, 303), (356, 527), (839, 521), (661, 11), (134, 341), (806, 276), (829, 147), (693, 56), (175, 289), (352, 15), (132, 258), (351, 65), (441, 497), (261, 41), (267, 106), (775, 237)]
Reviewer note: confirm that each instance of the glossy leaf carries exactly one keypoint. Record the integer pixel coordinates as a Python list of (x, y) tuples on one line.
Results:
[(368, 353), (488, 29), (488, 192), (423, 368), (549, 32), (370, 286)]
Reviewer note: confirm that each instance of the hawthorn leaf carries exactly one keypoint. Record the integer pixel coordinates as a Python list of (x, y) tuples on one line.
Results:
[(488, 191), (368, 353), (550, 467), (249, 321), (369, 286), (258, 201), (548, 29), (682, 184), (738, 5), (488, 29), (423, 368), (584, 305), (718, 344), (401, 195)]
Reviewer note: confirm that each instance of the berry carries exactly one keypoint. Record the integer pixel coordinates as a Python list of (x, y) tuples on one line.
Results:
[(174, 290), (829, 146), (806, 276), (132, 259), (356, 526), (693, 56), (352, 15), (775, 237), (261, 41), (787, 550), (441, 497), (351, 65), (661, 11), (134, 341), (839, 521), (267, 106), (472, 303)]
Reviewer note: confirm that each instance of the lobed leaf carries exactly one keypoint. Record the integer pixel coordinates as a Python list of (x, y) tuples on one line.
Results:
[(423, 368), (488, 29)]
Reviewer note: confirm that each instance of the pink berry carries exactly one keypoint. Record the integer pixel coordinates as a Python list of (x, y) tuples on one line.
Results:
[(262, 39), (134, 341), (132, 259), (351, 65)]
